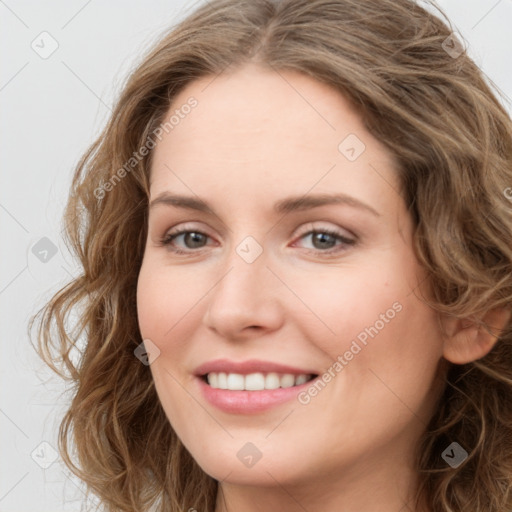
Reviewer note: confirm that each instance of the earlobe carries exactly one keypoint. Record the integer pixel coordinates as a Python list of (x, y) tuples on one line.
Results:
[(466, 340)]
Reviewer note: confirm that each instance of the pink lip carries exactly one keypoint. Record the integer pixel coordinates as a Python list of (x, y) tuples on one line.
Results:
[(247, 402), (249, 366)]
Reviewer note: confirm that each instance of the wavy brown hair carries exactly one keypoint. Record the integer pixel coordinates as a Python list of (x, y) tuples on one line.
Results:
[(452, 138)]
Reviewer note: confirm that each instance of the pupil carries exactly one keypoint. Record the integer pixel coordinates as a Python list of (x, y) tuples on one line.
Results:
[(321, 237), (194, 238)]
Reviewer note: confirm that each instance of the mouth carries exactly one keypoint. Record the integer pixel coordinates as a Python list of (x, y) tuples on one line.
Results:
[(257, 381), (252, 386)]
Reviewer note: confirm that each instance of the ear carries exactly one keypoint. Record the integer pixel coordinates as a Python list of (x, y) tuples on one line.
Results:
[(467, 340)]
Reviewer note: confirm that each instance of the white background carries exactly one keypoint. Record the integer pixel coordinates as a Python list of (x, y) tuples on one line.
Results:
[(51, 110)]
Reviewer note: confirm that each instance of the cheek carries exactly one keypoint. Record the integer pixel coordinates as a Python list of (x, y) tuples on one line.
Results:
[(166, 299), (393, 350), (384, 354), (165, 309), (373, 317), (336, 305)]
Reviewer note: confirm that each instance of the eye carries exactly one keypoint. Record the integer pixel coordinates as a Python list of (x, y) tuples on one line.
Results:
[(193, 240), (324, 240), (327, 241)]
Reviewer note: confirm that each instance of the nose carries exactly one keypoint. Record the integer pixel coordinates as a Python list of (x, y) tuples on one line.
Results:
[(246, 301)]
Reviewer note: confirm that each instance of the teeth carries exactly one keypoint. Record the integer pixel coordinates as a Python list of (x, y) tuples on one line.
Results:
[(236, 381), (272, 381), (255, 381), (301, 379)]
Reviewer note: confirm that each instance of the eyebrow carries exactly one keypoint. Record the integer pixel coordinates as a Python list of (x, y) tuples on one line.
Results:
[(290, 204)]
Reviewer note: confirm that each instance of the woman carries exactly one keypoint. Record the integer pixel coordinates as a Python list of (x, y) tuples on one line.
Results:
[(297, 270)]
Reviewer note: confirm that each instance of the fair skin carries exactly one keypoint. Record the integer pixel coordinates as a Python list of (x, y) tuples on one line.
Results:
[(252, 141)]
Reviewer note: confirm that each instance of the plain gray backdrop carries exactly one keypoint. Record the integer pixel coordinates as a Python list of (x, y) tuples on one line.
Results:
[(62, 65)]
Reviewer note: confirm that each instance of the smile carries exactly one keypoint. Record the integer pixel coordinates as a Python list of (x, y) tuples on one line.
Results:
[(238, 399), (255, 381)]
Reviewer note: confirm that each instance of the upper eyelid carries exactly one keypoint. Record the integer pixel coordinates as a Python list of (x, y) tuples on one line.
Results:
[(307, 230), (307, 227)]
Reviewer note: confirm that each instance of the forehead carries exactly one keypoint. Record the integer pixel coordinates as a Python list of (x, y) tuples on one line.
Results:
[(254, 129)]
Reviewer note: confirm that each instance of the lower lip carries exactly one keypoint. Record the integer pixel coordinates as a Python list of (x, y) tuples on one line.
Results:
[(245, 402)]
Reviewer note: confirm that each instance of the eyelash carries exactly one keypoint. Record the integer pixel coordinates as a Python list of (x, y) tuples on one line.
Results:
[(169, 237)]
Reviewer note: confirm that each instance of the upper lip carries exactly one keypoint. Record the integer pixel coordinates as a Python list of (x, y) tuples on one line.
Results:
[(249, 366)]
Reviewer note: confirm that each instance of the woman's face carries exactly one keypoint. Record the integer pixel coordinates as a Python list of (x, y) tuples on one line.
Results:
[(276, 156)]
